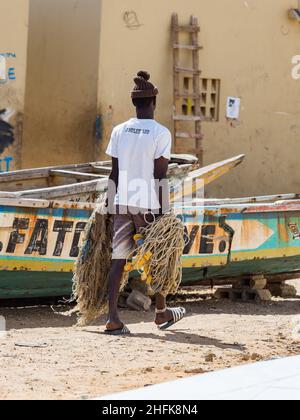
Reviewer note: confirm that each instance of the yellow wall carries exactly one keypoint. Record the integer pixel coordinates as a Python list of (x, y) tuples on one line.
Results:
[(62, 75), (13, 44), (249, 45)]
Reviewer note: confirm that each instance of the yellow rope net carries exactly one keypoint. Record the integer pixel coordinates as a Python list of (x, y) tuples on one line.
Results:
[(90, 281), (160, 247), (159, 250)]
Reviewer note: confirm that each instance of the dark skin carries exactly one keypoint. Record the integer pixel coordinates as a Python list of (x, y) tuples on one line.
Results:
[(117, 267)]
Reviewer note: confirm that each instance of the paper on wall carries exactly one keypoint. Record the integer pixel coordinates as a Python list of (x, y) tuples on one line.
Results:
[(233, 108)]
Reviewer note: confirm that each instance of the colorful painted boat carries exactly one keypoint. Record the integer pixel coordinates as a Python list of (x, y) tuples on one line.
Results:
[(40, 239), (233, 240)]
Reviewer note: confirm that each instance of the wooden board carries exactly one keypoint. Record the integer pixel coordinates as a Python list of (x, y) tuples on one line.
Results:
[(207, 175)]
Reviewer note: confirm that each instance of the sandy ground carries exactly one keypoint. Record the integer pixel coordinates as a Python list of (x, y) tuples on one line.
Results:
[(44, 357)]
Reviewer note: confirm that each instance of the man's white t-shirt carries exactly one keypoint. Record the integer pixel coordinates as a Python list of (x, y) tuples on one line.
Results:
[(137, 144)]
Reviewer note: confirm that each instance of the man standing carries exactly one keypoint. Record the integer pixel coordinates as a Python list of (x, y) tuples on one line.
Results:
[(140, 150)]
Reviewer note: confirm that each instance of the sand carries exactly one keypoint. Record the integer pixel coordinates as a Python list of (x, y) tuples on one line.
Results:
[(44, 357)]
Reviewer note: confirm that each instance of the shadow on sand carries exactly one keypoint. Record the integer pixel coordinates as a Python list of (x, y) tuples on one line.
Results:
[(182, 337), (46, 317)]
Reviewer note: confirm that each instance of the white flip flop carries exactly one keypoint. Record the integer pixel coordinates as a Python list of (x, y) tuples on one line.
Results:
[(178, 315)]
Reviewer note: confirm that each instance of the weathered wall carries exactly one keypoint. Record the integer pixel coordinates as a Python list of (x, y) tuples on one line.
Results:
[(249, 45), (61, 94), (13, 44)]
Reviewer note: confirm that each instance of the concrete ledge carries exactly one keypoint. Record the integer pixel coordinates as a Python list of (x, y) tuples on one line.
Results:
[(273, 380)]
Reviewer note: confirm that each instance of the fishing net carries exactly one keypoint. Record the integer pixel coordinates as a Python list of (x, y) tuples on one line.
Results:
[(158, 258), (90, 281)]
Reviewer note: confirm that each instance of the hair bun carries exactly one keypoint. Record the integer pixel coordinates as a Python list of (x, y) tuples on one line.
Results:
[(143, 87), (144, 75)]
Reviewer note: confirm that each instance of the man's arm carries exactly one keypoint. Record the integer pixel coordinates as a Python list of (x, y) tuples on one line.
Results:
[(160, 175), (113, 183)]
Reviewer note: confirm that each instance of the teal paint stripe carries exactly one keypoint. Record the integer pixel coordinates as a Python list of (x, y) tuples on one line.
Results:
[(34, 258), (60, 260), (275, 242)]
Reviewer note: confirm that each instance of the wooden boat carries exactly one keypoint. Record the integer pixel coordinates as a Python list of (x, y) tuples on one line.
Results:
[(77, 183), (40, 237), (249, 236), (86, 182)]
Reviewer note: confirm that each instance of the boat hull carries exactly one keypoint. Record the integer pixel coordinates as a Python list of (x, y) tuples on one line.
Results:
[(41, 284), (39, 243)]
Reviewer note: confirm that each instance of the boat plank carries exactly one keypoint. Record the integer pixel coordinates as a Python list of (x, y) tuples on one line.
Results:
[(74, 174), (24, 203), (44, 172), (98, 185)]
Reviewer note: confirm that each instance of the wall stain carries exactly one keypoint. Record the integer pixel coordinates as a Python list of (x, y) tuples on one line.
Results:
[(131, 20), (6, 132)]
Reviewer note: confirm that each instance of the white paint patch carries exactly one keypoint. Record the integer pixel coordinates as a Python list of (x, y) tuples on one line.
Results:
[(282, 113), (3, 73), (8, 114), (2, 328), (249, 4), (296, 328), (260, 234), (296, 68)]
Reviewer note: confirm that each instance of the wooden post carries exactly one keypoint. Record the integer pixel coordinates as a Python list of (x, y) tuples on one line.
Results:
[(180, 135), (196, 88), (176, 88)]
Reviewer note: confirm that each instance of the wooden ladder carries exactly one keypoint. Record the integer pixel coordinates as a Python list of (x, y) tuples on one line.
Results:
[(183, 99)]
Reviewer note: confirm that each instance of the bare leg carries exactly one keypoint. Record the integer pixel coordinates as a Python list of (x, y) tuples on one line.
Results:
[(161, 305), (115, 276)]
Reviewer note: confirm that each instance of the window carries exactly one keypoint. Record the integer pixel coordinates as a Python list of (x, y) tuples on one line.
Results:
[(209, 98)]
